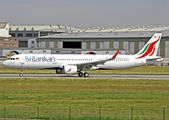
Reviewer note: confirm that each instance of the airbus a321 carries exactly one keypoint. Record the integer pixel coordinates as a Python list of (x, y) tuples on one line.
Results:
[(73, 64)]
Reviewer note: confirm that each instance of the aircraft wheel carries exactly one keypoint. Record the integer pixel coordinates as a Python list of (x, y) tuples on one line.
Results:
[(86, 74), (20, 75), (80, 74)]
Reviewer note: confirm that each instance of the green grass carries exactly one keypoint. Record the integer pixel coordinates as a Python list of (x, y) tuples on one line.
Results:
[(143, 70), (54, 96)]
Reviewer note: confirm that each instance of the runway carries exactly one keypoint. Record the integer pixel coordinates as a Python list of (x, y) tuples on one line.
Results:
[(61, 76)]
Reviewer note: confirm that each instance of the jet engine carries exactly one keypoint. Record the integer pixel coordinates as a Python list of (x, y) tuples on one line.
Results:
[(67, 69)]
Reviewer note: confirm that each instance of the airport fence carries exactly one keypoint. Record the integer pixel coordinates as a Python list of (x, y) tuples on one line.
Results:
[(83, 113)]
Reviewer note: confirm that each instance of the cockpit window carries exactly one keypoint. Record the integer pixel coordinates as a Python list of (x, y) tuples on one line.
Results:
[(11, 53), (13, 59)]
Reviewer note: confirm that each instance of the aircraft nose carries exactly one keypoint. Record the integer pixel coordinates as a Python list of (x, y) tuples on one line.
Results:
[(4, 63)]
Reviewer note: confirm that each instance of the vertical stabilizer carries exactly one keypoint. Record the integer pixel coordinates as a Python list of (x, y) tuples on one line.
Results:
[(151, 48)]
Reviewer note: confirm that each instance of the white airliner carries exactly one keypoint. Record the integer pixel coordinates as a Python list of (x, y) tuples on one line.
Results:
[(72, 64)]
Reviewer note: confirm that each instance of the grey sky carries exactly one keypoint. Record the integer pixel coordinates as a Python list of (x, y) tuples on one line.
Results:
[(85, 13)]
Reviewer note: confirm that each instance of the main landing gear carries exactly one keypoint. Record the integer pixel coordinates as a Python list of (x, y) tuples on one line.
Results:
[(80, 74)]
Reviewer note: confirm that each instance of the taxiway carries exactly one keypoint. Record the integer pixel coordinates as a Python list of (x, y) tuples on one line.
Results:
[(59, 76)]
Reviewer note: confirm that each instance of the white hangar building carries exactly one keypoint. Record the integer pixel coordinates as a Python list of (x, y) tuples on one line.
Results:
[(129, 39), (4, 30)]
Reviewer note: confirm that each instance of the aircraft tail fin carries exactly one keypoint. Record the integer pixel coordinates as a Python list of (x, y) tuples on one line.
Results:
[(151, 47)]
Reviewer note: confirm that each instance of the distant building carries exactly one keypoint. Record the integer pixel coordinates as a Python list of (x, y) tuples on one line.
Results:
[(27, 34), (6, 41), (4, 30), (129, 39)]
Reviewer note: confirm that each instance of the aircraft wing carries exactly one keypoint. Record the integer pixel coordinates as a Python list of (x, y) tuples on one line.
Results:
[(88, 65)]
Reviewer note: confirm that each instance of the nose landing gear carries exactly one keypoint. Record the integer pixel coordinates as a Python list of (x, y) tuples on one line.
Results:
[(21, 74)]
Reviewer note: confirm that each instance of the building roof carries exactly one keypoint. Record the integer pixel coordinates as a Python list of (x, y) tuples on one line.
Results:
[(104, 35), (3, 25), (38, 27), (132, 32), (123, 29)]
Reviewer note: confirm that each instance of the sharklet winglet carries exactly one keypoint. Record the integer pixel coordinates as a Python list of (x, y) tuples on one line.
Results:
[(115, 54)]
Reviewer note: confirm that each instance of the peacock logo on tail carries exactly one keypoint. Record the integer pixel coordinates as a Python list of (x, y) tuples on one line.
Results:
[(149, 49)]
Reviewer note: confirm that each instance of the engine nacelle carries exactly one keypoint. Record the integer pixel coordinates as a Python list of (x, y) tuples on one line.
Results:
[(70, 69), (67, 69)]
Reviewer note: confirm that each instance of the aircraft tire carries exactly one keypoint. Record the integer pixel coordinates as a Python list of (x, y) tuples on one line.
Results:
[(86, 74), (20, 75), (80, 74)]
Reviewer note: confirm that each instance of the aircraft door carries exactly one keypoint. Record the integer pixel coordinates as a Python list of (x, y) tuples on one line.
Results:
[(22, 59)]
